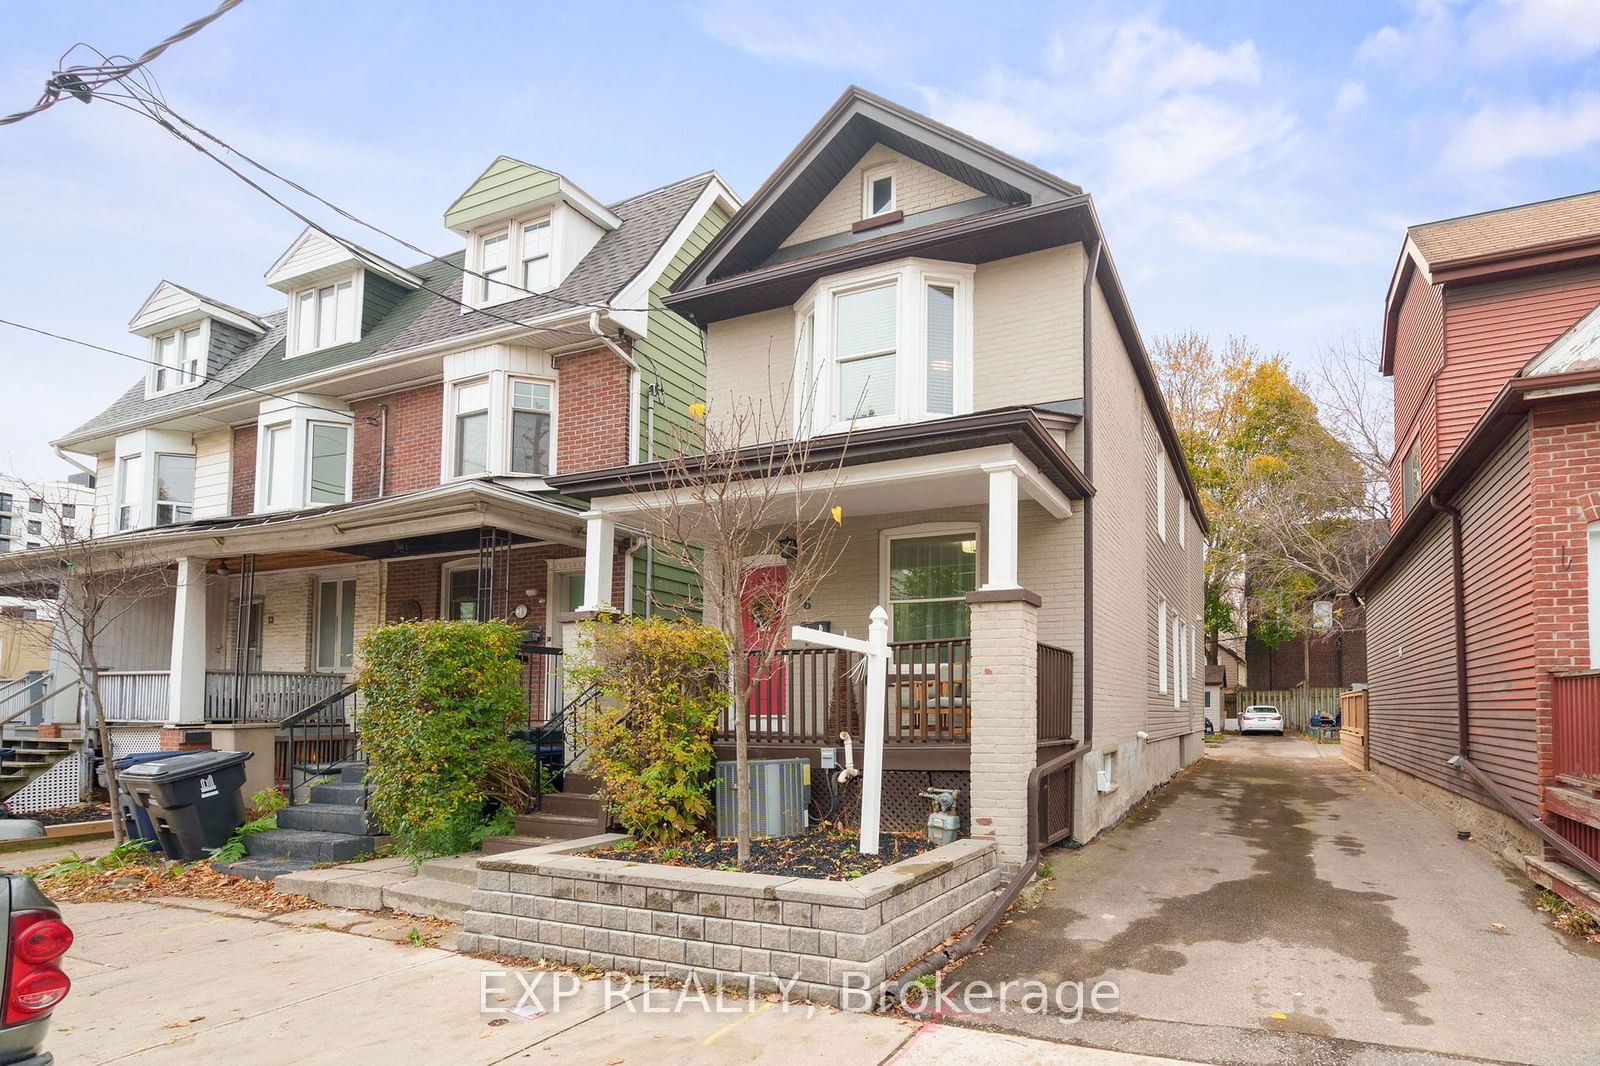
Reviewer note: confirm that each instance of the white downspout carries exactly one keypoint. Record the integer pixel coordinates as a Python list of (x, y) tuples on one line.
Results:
[(64, 457)]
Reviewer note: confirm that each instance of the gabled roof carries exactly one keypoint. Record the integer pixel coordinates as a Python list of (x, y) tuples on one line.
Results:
[(170, 305), (1576, 349), (314, 256), (422, 319), (509, 185), (1508, 230), (857, 121)]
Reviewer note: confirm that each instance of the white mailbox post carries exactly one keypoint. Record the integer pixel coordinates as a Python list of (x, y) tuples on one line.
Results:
[(876, 650)]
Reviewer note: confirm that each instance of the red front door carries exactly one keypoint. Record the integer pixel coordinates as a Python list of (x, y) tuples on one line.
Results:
[(761, 607)]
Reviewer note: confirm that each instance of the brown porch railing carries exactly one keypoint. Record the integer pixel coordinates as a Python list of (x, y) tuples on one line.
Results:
[(810, 695), (1055, 693), (268, 697), (1575, 725)]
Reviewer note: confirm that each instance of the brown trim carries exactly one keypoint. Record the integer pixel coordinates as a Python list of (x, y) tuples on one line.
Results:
[(888, 218), (1016, 595), (1527, 257), (1019, 426)]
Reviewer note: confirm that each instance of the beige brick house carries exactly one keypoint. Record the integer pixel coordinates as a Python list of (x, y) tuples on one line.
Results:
[(944, 325)]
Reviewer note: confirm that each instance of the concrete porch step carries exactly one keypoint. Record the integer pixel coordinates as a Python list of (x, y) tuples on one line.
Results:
[(578, 804), (501, 845), (435, 890), (311, 845), (262, 869), (328, 818), (340, 794), (426, 895), (1566, 881), (460, 869)]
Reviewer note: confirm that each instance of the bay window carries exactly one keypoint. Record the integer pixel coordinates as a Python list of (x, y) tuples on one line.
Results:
[(882, 345), (324, 315), (303, 455), (928, 573), (500, 424), (130, 489), (174, 489), (178, 359)]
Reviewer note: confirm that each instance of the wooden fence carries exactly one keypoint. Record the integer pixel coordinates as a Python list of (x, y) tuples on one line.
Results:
[(1353, 728), (1298, 705)]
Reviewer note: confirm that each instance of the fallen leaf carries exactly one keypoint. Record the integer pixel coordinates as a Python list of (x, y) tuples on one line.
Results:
[(180, 1025), (1498, 925), (1278, 1015)]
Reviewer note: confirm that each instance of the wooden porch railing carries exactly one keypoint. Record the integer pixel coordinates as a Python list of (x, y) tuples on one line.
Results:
[(810, 695), (268, 697), (133, 695), (1055, 693), (1575, 725)]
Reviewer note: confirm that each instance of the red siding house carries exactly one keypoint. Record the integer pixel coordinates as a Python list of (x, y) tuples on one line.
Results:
[(1481, 612)]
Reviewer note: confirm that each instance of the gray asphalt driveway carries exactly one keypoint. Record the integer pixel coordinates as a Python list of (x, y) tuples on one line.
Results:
[(1273, 905)]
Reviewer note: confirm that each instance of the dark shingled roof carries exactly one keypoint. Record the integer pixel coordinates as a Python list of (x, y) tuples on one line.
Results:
[(420, 317)]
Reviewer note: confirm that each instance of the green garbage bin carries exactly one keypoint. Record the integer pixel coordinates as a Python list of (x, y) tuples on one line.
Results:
[(194, 801)]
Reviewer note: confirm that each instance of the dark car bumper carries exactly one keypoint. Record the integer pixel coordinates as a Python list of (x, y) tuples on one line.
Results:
[(20, 1044)]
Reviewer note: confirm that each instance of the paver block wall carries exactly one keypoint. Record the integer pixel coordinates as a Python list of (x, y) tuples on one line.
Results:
[(728, 928)]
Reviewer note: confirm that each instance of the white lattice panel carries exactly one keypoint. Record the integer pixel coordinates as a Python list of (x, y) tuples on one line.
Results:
[(134, 741), (59, 786)]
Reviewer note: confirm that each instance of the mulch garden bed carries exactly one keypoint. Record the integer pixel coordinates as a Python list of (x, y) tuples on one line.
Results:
[(154, 877), (827, 854), (78, 812)]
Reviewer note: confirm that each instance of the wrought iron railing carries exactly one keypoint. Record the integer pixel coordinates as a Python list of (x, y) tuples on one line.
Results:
[(265, 696), (543, 681), (561, 742), (320, 739)]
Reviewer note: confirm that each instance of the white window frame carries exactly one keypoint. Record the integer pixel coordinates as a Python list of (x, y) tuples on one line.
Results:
[(155, 479), (185, 373), (129, 496), (498, 449), (887, 537), (477, 292), (1161, 494), (816, 403), (1161, 647), (356, 281), (139, 495), (555, 572), (1594, 595), (1180, 666), (340, 580), (549, 256), (868, 179), (299, 419)]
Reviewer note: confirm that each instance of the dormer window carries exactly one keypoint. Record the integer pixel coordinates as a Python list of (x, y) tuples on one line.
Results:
[(324, 315), (526, 244), (877, 192), (178, 358)]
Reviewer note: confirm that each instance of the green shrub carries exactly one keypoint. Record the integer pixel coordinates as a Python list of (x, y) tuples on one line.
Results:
[(662, 684), (439, 701)]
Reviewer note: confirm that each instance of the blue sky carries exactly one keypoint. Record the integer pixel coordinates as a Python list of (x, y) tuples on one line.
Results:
[(1254, 164)]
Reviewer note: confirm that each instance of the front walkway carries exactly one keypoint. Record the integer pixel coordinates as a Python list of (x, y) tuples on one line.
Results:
[(1273, 905), (198, 982)]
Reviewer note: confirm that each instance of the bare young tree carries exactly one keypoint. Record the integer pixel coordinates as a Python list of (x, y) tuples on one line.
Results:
[(89, 582), (1358, 408), (743, 495)]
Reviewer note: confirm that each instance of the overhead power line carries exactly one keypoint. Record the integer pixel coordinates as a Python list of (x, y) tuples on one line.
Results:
[(82, 81)]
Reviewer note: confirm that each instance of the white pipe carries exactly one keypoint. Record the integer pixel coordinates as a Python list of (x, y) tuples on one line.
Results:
[(64, 457), (594, 327)]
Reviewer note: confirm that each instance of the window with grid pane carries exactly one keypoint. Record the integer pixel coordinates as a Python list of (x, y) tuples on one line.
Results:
[(536, 255), (495, 258), (530, 427), (929, 578), (864, 350)]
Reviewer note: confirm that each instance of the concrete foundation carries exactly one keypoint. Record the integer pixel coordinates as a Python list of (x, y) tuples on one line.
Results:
[(1490, 826)]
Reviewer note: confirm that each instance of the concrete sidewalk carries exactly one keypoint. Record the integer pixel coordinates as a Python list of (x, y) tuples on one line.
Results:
[(195, 982)]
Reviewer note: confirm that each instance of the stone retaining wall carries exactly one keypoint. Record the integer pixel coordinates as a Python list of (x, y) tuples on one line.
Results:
[(724, 927)]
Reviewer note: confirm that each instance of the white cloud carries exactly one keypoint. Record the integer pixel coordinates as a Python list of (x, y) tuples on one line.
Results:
[(801, 34), (1189, 139), (1443, 35), (1499, 134), (1146, 57), (1352, 95)]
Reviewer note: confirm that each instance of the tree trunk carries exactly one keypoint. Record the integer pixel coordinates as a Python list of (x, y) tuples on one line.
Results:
[(119, 833), (741, 750)]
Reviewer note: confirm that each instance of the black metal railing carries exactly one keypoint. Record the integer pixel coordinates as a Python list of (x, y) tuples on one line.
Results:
[(319, 739), (543, 681), (562, 741)]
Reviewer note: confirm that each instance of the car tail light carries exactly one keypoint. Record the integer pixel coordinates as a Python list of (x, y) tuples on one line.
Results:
[(35, 983)]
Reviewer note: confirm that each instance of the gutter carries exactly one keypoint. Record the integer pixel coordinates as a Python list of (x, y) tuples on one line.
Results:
[(64, 457), (1089, 274)]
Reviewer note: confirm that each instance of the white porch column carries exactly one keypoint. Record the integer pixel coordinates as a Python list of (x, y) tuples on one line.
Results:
[(600, 547), (186, 685), (1003, 489)]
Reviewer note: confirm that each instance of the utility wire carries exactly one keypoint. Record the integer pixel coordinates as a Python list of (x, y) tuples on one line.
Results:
[(82, 81), (199, 376)]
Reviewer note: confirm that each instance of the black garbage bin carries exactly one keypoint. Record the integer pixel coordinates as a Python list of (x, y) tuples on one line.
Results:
[(194, 800), (135, 819)]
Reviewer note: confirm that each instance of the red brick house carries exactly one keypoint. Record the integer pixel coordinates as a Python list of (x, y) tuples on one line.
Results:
[(378, 445), (1482, 610)]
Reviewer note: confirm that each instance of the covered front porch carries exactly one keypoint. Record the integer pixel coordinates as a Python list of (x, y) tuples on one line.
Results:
[(967, 532)]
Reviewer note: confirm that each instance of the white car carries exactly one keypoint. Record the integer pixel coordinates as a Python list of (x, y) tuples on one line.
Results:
[(1261, 718)]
